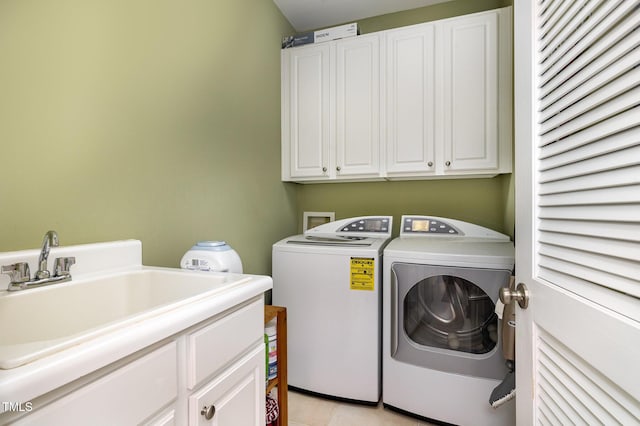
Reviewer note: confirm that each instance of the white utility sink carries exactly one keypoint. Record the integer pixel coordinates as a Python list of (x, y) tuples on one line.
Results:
[(39, 322)]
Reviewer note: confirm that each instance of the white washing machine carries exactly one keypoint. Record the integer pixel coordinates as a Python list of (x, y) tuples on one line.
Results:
[(329, 280), (442, 354)]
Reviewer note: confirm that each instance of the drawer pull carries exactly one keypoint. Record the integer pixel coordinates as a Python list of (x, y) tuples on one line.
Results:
[(208, 412)]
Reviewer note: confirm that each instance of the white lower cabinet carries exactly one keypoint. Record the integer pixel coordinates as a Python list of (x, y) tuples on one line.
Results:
[(166, 418), (211, 373), (235, 397), (234, 394), (127, 396)]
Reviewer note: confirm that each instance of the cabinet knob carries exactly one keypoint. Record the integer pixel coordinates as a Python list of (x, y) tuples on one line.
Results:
[(324, 169), (208, 411), (448, 163), (338, 168), (430, 164)]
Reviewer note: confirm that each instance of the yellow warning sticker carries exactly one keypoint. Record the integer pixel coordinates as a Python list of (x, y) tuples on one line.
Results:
[(362, 273)]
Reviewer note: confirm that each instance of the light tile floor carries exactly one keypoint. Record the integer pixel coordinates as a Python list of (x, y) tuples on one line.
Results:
[(305, 410)]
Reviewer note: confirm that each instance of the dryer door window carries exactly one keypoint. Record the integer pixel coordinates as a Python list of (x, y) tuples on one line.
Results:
[(450, 312), (442, 318)]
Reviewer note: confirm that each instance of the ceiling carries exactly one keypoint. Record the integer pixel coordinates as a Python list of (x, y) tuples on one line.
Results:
[(311, 14)]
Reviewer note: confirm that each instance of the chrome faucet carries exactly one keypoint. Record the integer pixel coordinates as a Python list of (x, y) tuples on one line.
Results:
[(50, 240), (20, 274)]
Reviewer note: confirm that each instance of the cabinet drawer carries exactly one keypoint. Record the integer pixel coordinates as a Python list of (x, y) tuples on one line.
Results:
[(165, 419), (217, 344), (128, 395), (235, 397)]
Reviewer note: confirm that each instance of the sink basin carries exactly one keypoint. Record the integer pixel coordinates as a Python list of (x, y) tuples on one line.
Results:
[(39, 322)]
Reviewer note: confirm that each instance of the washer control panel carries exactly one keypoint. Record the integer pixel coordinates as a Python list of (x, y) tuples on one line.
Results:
[(367, 224), (420, 225)]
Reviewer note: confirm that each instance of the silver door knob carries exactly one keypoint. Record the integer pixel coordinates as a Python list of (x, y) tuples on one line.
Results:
[(208, 411), (430, 164), (448, 163), (324, 169), (520, 295), (338, 168)]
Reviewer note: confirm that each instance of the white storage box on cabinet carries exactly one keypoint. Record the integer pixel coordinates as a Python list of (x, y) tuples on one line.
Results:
[(331, 110)]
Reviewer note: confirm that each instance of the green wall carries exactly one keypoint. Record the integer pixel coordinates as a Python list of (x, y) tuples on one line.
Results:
[(487, 202), (478, 201), (430, 13), (155, 120), (160, 121)]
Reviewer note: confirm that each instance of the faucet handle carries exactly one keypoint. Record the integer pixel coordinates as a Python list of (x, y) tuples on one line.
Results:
[(19, 272), (63, 266)]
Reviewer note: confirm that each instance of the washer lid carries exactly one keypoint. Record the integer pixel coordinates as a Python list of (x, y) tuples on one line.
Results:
[(344, 241)]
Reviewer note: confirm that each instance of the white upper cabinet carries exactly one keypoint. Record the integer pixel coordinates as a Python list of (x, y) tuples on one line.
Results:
[(411, 109), (431, 100), (476, 98), (331, 110), (306, 89), (358, 106)]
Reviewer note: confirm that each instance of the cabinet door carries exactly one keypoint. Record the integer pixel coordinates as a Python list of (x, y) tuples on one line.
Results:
[(307, 128), (470, 93), (239, 330), (410, 110), (358, 106), (126, 396), (235, 397)]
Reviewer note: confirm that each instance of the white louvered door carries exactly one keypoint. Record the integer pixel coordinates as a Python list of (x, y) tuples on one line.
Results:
[(577, 123)]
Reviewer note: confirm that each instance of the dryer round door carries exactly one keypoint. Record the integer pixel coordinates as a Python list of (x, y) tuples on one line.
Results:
[(445, 318)]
